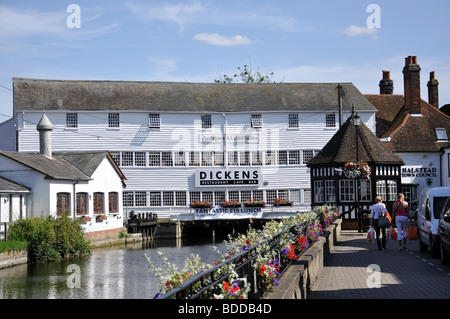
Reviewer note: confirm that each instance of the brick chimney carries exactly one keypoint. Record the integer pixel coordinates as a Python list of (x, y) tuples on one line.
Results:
[(411, 76), (386, 84), (433, 97)]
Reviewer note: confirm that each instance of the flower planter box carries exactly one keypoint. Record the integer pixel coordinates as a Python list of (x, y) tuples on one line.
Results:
[(85, 219), (201, 204), (100, 218), (231, 204), (282, 202), (255, 203)]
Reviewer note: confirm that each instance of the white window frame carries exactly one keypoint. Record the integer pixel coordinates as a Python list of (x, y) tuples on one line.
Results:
[(346, 190), (330, 191), (113, 120), (318, 191), (256, 120), (154, 120), (206, 121), (441, 134), (330, 120), (293, 122), (365, 193), (71, 120), (154, 159), (140, 159), (270, 158)]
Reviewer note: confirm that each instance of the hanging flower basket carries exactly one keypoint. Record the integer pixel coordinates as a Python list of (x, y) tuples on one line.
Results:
[(201, 204), (282, 202), (359, 170), (232, 203), (255, 203)]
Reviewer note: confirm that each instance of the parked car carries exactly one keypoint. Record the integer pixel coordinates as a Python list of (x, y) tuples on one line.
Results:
[(444, 232), (431, 203)]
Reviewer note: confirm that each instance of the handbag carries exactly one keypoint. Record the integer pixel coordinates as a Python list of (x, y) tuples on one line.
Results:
[(412, 233), (383, 221), (394, 235)]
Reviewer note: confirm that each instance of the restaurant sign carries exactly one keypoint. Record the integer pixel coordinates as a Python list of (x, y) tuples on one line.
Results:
[(228, 177), (227, 213)]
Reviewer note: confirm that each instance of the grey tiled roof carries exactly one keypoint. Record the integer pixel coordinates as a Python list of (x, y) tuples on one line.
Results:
[(8, 187), (342, 148), (53, 167), (65, 166), (41, 94)]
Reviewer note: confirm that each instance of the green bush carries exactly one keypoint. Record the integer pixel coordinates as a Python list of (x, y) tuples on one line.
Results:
[(50, 239), (12, 245)]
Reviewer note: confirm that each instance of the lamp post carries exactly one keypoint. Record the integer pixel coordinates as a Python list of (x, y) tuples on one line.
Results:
[(356, 122)]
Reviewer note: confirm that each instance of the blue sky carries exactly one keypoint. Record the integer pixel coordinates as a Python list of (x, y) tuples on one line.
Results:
[(200, 40)]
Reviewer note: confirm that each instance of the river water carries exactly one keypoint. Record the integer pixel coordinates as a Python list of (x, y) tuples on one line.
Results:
[(120, 272)]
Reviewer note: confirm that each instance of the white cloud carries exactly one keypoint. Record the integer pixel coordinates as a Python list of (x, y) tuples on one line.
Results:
[(354, 30), (221, 40), (26, 22), (180, 14), (16, 24), (185, 14)]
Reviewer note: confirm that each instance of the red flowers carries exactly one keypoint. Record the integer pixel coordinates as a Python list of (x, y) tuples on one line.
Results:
[(263, 269)]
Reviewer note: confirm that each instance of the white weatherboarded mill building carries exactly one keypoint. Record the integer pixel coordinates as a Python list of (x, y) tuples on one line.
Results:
[(184, 142)]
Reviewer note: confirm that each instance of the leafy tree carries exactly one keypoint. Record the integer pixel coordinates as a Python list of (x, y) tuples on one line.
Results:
[(246, 75)]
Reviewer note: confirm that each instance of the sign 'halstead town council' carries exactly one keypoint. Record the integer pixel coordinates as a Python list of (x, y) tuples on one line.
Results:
[(228, 177)]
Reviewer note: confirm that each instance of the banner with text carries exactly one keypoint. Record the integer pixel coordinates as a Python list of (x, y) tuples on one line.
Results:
[(227, 213)]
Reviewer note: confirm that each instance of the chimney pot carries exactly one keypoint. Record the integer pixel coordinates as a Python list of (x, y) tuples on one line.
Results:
[(411, 76), (433, 96), (386, 84)]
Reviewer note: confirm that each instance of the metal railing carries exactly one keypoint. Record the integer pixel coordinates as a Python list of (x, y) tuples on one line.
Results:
[(205, 284)]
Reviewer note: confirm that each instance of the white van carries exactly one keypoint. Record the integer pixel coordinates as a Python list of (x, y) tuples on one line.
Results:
[(431, 202)]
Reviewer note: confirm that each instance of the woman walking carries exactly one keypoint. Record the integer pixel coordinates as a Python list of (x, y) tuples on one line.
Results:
[(401, 216), (378, 210)]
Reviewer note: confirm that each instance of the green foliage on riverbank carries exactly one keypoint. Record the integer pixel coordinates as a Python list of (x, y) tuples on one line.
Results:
[(50, 239), (11, 245)]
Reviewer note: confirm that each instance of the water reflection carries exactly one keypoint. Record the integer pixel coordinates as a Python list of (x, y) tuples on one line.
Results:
[(114, 273)]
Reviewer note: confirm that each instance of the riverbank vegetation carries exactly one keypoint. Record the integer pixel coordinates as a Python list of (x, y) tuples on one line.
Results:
[(50, 239), (11, 245), (295, 235)]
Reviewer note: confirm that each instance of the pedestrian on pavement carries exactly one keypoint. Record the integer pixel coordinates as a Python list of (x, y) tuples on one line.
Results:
[(401, 217), (378, 210)]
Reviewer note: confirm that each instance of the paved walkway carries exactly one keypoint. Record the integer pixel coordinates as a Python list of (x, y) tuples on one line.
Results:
[(401, 274)]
